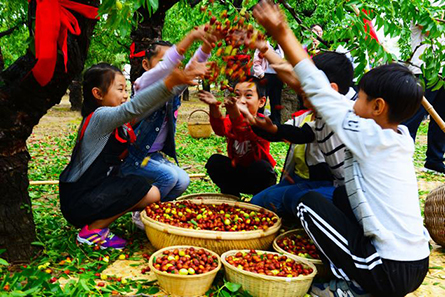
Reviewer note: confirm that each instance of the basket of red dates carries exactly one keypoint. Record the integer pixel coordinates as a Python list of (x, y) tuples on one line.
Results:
[(219, 225), (297, 243), (185, 270), (264, 273)]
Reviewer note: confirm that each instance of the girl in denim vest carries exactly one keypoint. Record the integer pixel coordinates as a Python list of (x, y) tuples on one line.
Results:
[(156, 132)]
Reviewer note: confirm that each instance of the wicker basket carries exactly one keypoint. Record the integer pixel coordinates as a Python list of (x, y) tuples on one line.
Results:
[(259, 285), (184, 285), (199, 129), (434, 213), (213, 196), (163, 235), (323, 271)]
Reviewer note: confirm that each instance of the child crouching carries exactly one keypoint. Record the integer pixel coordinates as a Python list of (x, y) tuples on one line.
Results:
[(249, 166)]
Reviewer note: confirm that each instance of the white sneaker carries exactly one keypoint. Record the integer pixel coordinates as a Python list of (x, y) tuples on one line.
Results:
[(136, 218)]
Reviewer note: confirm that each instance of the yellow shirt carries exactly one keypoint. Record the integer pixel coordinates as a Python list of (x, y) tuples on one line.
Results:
[(301, 168)]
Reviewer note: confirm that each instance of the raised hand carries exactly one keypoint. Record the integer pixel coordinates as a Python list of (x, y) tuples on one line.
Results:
[(200, 33), (230, 102), (187, 76), (266, 124), (248, 117), (208, 98), (270, 17)]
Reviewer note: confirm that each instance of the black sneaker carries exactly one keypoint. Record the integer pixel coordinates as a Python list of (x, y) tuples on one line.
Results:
[(436, 168)]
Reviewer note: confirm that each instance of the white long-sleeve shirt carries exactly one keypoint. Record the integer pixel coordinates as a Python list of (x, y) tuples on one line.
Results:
[(379, 171)]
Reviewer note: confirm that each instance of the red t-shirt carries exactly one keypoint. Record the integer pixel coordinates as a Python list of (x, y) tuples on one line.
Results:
[(243, 145)]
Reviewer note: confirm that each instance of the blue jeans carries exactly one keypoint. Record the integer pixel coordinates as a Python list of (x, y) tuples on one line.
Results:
[(283, 198), (436, 139), (170, 179)]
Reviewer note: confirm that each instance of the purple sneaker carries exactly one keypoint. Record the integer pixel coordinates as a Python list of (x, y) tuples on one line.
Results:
[(102, 237)]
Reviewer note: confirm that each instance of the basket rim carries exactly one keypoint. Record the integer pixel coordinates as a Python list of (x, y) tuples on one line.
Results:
[(156, 271), (196, 196), (209, 234), (198, 110), (280, 250), (199, 124), (268, 277)]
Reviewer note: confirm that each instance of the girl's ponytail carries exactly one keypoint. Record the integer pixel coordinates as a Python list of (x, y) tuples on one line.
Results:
[(97, 76)]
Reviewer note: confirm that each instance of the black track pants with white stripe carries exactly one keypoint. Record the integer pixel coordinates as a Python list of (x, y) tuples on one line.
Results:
[(351, 255)]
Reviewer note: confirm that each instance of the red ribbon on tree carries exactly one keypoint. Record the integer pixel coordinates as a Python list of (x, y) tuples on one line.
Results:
[(369, 28), (135, 55), (53, 21)]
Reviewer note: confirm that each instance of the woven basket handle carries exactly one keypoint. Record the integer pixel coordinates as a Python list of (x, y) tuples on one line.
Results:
[(202, 110)]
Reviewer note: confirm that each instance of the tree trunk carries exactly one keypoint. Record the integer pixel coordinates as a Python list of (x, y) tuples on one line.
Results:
[(2, 62), (290, 102), (148, 30), (76, 93), (22, 103)]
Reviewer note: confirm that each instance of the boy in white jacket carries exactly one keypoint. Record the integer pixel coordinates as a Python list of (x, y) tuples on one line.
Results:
[(373, 236)]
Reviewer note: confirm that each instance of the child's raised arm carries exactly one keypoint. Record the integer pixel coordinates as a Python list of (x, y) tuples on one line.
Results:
[(106, 119), (282, 67), (272, 19), (174, 55)]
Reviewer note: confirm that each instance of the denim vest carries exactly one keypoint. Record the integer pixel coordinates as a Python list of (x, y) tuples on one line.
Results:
[(148, 129)]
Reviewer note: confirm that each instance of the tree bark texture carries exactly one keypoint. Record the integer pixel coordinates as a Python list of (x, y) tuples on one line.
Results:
[(290, 104), (76, 93), (23, 102)]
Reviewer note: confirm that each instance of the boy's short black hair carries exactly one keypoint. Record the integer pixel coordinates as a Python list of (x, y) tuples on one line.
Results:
[(398, 86), (259, 83), (337, 67)]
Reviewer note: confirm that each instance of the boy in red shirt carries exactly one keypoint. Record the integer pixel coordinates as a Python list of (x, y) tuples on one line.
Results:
[(249, 166)]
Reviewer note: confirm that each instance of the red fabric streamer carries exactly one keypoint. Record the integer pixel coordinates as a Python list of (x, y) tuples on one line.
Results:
[(53, 21), (135, 55), (369, 27)]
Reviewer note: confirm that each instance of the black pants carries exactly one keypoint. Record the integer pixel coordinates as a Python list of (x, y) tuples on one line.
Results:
[(436, 139), (235, 180), (274, 86), (350, 254)]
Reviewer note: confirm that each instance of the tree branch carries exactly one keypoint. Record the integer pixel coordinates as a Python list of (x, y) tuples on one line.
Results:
[(300, 22), (415, 50), (9, 31)]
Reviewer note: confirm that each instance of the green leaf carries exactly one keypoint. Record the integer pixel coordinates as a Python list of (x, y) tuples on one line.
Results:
[(225, 293), (3, 262), (32, 290), (135, 265), (153, 290), (439, 85), (37, 243), (233, 287), (194, 222), (84, 285), (154, 4)]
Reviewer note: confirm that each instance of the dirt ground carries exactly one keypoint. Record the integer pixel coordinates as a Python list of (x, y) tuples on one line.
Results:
[(57, 120)]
